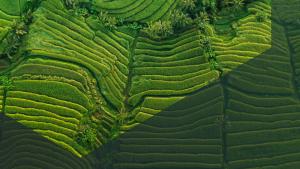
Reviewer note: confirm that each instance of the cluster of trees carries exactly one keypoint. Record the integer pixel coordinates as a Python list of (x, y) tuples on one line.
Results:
[(87, 138), (210, 55), (13, 38), (85, 10), (200, 13), (88, 135), (179, 18), (159, 29), (192, 12), (109, 21), (71, 4)]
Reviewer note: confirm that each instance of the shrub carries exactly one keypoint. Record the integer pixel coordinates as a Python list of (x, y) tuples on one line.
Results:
[(70, 3), (180, 19), (6, 82), (159, 29), (108, 21), (135, 26), (81, 12), (187, 4), (87, 138)]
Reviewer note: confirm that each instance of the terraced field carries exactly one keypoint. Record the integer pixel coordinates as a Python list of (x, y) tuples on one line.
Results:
[(119, 99), (174, 67), (24, 148), (180, 136), (52, 106), (253, 38), (9, 12), (137, 10)]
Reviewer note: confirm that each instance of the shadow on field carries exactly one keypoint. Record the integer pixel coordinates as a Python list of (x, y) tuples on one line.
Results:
[(246, 120), (21, 147)]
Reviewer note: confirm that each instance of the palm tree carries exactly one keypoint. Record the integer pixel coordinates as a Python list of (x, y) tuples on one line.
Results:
[(70, 3), (237, 4)]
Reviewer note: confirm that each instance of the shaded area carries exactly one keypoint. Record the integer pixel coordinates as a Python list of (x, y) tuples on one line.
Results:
[(250, 118), (186, 135), (21, 147), (262, 104)]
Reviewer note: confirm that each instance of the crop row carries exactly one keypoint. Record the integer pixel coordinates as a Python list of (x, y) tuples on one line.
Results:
[(53, 109), (263, 108), (175, 67), (187, 135), (104, 53), (137, 10), (252, 38), (23, 148)]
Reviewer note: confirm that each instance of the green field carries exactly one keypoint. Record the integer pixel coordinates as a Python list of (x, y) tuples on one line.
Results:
[(154, 84)]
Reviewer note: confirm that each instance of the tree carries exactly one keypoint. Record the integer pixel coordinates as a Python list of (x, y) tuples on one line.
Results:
[(159, 29), (135, 26), (209, 6), (238, 4), (6, 82), (108, 21), (187, 4), (87, 138), (81, 12), (71, 3), (180, 19), (235, 28), (234, 4)]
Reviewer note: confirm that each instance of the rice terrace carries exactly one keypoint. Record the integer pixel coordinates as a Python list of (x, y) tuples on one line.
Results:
[(150, 84)]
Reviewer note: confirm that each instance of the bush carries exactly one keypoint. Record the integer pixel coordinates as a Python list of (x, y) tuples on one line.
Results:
[(135, 26), (87, 138), (107, 20), (187, 4), (159, 29), (81, 12), (180, 19), (70, 3), (6, 82)]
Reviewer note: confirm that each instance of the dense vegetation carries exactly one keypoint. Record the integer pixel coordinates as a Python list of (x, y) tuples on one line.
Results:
[(84, 72)]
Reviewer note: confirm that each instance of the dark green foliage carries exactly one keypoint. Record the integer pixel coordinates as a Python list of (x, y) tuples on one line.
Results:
[(202, 22), (6, 82), (187, 4), (108, 21), (81, 12), (210, 55), (209, 6), (135, 26), (87, 135), (71, 3), (19, 28), (159, 29), (180, 19), (13, 38), (87, 138)]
